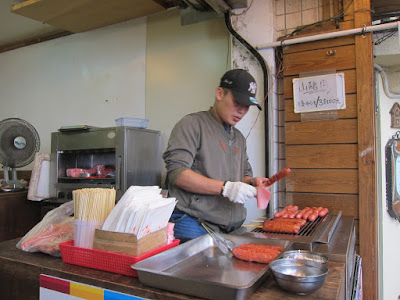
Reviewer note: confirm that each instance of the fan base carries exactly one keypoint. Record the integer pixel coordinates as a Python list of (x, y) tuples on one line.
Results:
[(12, 186)]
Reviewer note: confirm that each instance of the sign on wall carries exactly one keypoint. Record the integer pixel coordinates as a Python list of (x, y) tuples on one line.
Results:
[(319, 93)]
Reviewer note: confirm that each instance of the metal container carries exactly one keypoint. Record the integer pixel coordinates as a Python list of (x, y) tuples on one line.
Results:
[(199, 268), (299, 276), (306, 255)]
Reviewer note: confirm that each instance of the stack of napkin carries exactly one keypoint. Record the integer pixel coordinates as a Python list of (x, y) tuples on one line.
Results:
[(140, 211)]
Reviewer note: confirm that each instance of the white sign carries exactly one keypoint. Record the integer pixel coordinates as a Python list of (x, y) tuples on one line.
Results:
[(319, 93)]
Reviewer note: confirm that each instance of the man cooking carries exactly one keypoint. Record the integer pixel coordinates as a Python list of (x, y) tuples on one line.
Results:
[(208, 171)]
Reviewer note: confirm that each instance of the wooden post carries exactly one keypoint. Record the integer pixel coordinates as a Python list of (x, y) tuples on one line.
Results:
[(366, 151)]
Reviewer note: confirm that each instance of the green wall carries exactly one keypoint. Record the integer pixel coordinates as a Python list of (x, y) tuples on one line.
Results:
[(183, 67)]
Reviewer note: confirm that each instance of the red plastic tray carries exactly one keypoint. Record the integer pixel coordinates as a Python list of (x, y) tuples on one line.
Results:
[(106, 261)]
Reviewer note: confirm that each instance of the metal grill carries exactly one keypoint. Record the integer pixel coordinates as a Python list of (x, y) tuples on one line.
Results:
[(307, 230)]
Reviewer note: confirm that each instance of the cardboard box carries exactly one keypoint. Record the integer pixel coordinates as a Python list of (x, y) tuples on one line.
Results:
[(127, 243)]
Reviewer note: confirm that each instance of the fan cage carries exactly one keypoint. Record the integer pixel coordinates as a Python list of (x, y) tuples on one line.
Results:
[(11, 156)]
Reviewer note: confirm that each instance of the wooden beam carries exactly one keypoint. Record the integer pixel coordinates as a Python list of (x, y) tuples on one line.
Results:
[(39, 39), (366, 151), (326, 9)]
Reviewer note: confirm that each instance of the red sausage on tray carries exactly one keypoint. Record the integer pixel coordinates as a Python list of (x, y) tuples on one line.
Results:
[(257, 253)]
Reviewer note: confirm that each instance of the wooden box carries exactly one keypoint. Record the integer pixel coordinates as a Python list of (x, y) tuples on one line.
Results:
[(127, 243)]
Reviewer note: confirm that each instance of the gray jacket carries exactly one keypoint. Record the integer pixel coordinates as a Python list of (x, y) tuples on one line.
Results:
[(199, 142)]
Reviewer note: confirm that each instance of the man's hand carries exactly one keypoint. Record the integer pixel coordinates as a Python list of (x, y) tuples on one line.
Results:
[(239, 192)]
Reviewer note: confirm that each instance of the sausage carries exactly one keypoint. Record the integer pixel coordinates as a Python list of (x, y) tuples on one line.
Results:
[(313, 216), (284, 213), (257, 253), (278, 176), (323, 212), (292, 215), (301, 213), (318, 209), (280, 227), (307, 214), (281, 213), (289, 207), (301, 222)]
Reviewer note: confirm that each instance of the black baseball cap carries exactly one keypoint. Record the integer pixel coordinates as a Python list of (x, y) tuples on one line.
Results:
[(242, 85)]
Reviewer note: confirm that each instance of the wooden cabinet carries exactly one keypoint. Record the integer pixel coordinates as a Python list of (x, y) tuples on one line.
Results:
[(17, 214)]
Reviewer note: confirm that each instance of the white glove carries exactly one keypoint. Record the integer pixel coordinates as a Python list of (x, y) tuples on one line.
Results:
[(238, 192)]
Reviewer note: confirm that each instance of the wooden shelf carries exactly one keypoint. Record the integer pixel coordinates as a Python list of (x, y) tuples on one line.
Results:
[(82, 15)]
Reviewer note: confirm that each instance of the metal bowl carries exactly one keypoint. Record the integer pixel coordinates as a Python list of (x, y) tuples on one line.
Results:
[(306, 255), (299, 276)]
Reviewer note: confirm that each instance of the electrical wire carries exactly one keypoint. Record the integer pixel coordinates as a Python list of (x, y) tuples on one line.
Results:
[(280, 70), (338, 16), (261, 60), (385, 37)]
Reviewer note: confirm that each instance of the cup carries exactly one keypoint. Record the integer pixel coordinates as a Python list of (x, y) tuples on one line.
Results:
[(84, 233)]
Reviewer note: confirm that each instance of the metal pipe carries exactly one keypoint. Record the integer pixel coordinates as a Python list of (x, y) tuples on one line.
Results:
[(330, 35), (385, 83)]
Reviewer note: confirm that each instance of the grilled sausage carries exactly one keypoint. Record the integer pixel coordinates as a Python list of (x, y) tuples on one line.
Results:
[(323, 212), (301, 222), (282, 212), (307, 214), (280, 227), (318, 209), (278, 176), (313, 216), (301, 213)]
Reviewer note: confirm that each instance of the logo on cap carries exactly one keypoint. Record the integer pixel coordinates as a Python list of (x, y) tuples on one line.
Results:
[(252, 87)]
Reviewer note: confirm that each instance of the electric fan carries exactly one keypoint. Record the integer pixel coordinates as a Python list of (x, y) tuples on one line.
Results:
[(19, 142)]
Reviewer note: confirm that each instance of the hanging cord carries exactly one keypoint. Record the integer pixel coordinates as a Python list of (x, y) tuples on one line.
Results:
[(280, 69), (260, 59)]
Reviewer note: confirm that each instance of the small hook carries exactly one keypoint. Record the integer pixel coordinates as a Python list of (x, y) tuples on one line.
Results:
[(364, 30)]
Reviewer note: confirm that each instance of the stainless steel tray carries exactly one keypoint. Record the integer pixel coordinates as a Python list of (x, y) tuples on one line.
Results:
[(199, 268)]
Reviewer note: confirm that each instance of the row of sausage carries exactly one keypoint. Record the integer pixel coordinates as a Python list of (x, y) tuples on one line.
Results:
[(310, 213)]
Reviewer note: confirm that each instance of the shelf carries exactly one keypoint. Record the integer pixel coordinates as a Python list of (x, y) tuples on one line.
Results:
[(82, 15)]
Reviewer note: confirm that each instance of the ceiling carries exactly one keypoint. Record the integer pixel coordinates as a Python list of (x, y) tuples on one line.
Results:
[(17, 30)]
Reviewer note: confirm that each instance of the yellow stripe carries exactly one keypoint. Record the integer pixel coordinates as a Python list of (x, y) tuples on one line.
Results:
[(86, 292)]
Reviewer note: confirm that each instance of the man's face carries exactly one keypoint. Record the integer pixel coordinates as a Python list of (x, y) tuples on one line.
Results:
[(227, 109)]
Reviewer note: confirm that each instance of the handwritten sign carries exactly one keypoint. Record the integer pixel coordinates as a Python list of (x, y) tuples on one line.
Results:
[(319, 93)]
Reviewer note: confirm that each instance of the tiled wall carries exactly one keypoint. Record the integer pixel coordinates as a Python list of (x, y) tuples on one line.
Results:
[(289, 14)]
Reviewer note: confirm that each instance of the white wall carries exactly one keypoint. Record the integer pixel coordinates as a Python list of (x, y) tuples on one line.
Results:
[(157, 69), (87, 78), (389, 228)]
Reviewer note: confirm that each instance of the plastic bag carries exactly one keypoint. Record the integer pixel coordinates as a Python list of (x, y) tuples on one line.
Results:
[(56, 227)]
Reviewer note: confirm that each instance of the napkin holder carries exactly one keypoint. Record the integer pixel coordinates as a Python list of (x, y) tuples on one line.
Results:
[(128, 243)]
